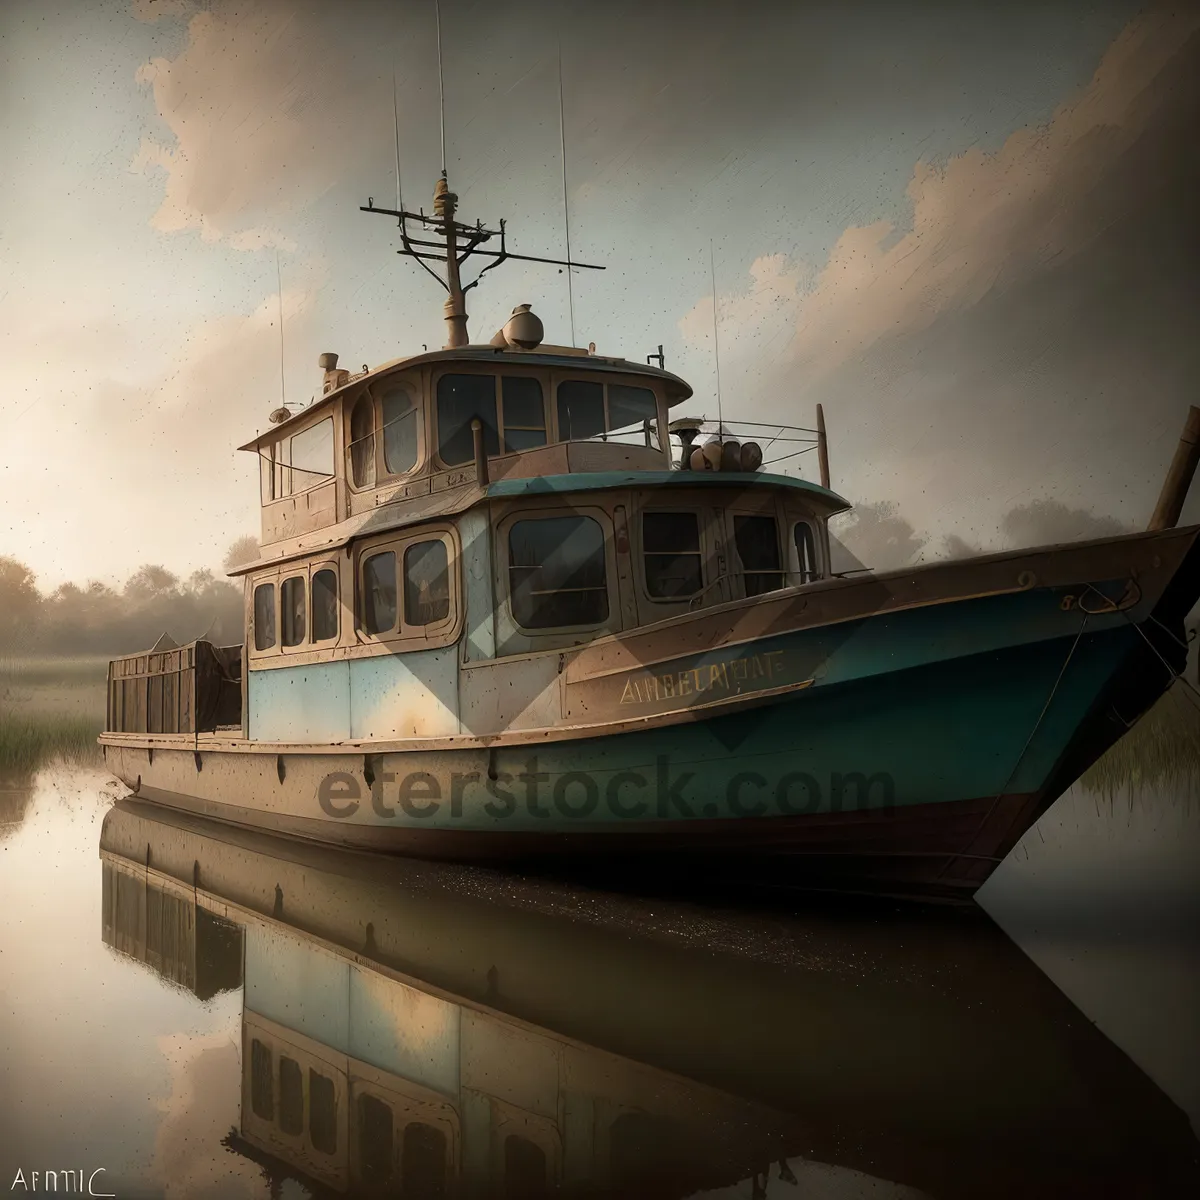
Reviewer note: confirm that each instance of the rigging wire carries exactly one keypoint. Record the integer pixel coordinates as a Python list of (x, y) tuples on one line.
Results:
[(562, 139), (437, 8), (712, 267)]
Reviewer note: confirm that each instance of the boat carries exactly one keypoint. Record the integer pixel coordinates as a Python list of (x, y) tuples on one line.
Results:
[(509, 608), (431, 1029)]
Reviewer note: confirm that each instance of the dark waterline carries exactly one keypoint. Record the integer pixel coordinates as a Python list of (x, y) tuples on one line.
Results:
[(640, 1047)]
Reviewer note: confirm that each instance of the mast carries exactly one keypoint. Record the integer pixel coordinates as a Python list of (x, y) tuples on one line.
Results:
[(445, 204)]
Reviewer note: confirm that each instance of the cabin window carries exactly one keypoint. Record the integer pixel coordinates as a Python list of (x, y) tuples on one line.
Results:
[(557, 572), (630, 407), (379, 593), (322, 1112), (291, 1096), (423, 1161), (262, 1099), (362, 442), (398, 407), (266, 473), (324, 605), (291, 610), (264, 616), (758, 548), (671, 555), (587, 409), (806, 552), (375, 1139), (426, 583), (460, 399), (580, 410), (523, 413), (310, 457)]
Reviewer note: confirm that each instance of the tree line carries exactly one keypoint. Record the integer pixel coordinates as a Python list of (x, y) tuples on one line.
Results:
[(97, 618)]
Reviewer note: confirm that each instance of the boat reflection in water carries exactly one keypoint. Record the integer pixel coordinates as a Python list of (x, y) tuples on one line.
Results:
[(424, 1030)]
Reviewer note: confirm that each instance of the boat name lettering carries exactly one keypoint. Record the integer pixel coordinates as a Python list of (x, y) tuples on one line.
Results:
[(724, 676)]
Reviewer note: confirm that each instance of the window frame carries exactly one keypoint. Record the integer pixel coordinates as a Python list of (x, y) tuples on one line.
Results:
[(373, 391), (796, 567), (503, 569), (605, 380), (403, 636), (280, 465), (498, 372), (254, 582), (663, 508), (314, 568)]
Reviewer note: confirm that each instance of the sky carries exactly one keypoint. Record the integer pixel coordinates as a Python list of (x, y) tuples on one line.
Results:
[(967, 230)]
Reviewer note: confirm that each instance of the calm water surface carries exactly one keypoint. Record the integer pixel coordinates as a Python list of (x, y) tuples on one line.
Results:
[(202, 1012)]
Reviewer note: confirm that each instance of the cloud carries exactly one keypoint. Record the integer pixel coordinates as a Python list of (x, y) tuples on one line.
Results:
[(979, 221), (257, 102), (204, 1103), (150, 444)]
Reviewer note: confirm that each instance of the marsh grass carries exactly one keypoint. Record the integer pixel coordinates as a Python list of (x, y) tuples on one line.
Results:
[(30, 739), (1159, 755), (50, 708)]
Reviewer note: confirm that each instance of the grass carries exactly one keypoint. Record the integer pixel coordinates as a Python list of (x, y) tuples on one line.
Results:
[(50, 708), (1161, 753), (29, 739)]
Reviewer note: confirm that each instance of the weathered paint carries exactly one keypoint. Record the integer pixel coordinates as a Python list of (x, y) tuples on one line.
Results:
[(310, 703), (405, 695), (475, 534)]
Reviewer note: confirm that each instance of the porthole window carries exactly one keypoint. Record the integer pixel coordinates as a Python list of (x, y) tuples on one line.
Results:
[(557, 573)]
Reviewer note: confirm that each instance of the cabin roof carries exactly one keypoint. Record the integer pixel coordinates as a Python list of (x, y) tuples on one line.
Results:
[(451, 501), (677, 389), (594, 481)]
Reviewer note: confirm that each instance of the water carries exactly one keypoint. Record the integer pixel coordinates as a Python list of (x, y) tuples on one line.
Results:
[(422, 1029)]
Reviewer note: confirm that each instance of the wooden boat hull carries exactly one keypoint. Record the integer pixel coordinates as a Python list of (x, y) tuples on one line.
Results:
[(902, 752)]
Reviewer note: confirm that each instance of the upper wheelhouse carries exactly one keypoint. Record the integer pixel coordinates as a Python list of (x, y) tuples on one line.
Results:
[(404, 430)]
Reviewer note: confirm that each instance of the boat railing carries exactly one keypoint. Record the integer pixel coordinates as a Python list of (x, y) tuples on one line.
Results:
[(778, 441)]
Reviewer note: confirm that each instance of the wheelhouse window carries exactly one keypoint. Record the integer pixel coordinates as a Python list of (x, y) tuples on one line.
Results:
[(522, 413), (671, 555), (308, 458), (264, 616), (324, 605), (266, 473), (758, 547), (557, 574), (587, 409), (362, 442), (426, 583), (460, 399), (292, 610), (398, 409), (806, 552), (379, 593)]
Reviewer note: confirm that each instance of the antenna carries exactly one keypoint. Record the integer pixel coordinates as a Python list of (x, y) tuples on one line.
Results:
[(396, 130), (562, 138), (712, 266), (437, 8), (282, 384)]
